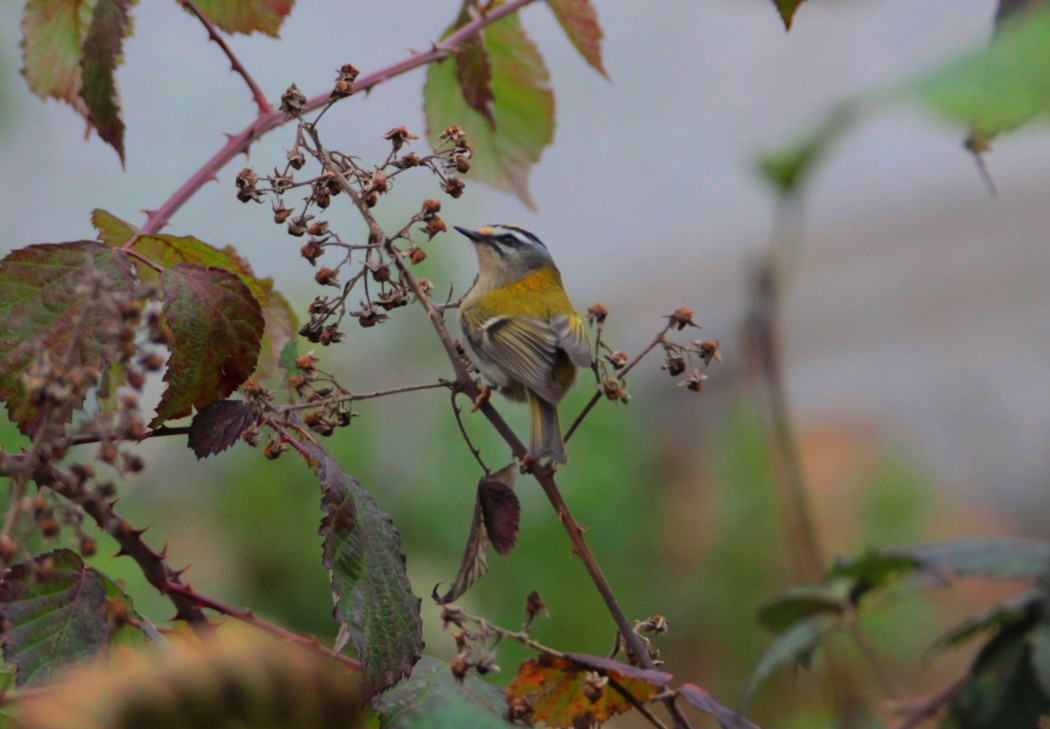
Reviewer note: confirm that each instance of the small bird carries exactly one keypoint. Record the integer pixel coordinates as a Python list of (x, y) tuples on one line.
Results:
[(526, 337)]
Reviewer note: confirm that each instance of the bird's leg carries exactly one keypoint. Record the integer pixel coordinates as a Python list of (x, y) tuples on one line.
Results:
[(484, 394)]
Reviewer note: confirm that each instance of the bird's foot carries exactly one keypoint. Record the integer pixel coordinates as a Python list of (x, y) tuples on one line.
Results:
[(482, 399)]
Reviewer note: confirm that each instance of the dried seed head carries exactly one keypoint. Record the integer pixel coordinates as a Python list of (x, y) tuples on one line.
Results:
[(379, 183), (371, 200), (399, 136), (597, 313), (280, 213), (459, 666), (416, 254), (330, 335), (431, 208), (408, 160), (434, 226), (306, 362), (296, 158), (708, 350), (617, 359), (88, 546), (381, 272), (682, 318), (292, 101), (344, 81), (297, 226), (327, 277), (453, 186), (454, 134), (311, 251), (694, 382), (462, 163), (674, 364)]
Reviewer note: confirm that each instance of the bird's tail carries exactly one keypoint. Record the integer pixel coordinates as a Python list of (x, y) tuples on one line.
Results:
[(545, 430)]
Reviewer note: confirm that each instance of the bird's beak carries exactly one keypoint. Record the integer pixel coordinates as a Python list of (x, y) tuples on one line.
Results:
[(478, 236)]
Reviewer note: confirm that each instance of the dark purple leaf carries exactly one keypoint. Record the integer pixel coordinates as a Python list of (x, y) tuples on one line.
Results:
[(218, 426), (500, 511), (598, 663), (702, 700)]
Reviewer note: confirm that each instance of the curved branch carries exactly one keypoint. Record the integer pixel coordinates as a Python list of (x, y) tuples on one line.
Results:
[(267, 122)]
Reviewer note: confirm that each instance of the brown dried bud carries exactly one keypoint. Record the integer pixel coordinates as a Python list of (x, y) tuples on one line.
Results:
[(454, 134), (416, 254), (8, 549), (49, 527), (246, 179), (431, 208), (657, 625), (409, 160), (534, 607), (297, 226), (453, 186), (349, 71), (280, 213), (342, 89), (617, 359), (322, 197), (273, 449), (311, 251), (327, 277), (106, 489), (134, 463), (370, 318), (597, 313), (694, 382), (682, 318), (434, 226), (107, 452), (318, 229), (298, 382), (708, 350), (135, 429), (306, 362), (459, 666), (292, 101), (82, 471), (380, 183), (399, 136), (88, 546), (152, 361), (462, 163), (330, 335), (392, 300), (674, 364), (381, 273), (296, 158), (371, 200)]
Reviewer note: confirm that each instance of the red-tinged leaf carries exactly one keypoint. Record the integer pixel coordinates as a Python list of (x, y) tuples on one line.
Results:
[(42, 305), (53, 33), (216, 325), (523, 109), (170, 250), (474, 73), (496, 513), (660, 679), (500, 511), (563, 694), (579, 20), (54, 612), (101, 54), (247, 16), (702, 700), (374, 602), (787, 10), (218, 426)]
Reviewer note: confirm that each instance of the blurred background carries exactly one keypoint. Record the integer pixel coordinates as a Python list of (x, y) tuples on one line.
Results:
[(915, 331)]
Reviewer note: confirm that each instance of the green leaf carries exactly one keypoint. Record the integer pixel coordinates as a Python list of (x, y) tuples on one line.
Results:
[(170, 250), (110, 23), (54, 612), (457, 712), (579, 20), (793, 647), (42, 304), (874, 569), (999, 88), (789, 168), (374, 602), (803, 603), (1001, 691), (247, 16), (523, 109), (997, 558), (429, 689), (787, 9), (1020, 608), (216, 325), (53, 32)]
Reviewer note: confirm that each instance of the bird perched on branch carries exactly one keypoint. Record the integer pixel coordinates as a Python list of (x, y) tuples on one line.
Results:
[(526, 338)]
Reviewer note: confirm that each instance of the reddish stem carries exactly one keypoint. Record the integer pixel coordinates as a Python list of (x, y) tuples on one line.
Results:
[(267, 122)]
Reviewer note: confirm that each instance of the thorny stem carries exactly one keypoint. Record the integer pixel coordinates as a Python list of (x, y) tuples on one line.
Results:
[(657, 340), (351, 397), (267, 122), (235, 63), (155, 433), (247, 616), (545, 476)]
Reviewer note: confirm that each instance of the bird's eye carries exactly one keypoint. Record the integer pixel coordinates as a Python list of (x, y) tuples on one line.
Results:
[(509, 240)]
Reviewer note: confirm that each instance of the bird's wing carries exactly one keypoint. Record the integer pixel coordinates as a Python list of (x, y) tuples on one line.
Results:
[(525, 347), (572, 337)]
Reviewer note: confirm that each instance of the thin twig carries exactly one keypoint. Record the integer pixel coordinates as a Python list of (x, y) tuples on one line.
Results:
[(351, 397), (213, 33), (475, 451), (247, 616), (265, 123), (931, 706), (882, 674), (163, 430), (657, 340)]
